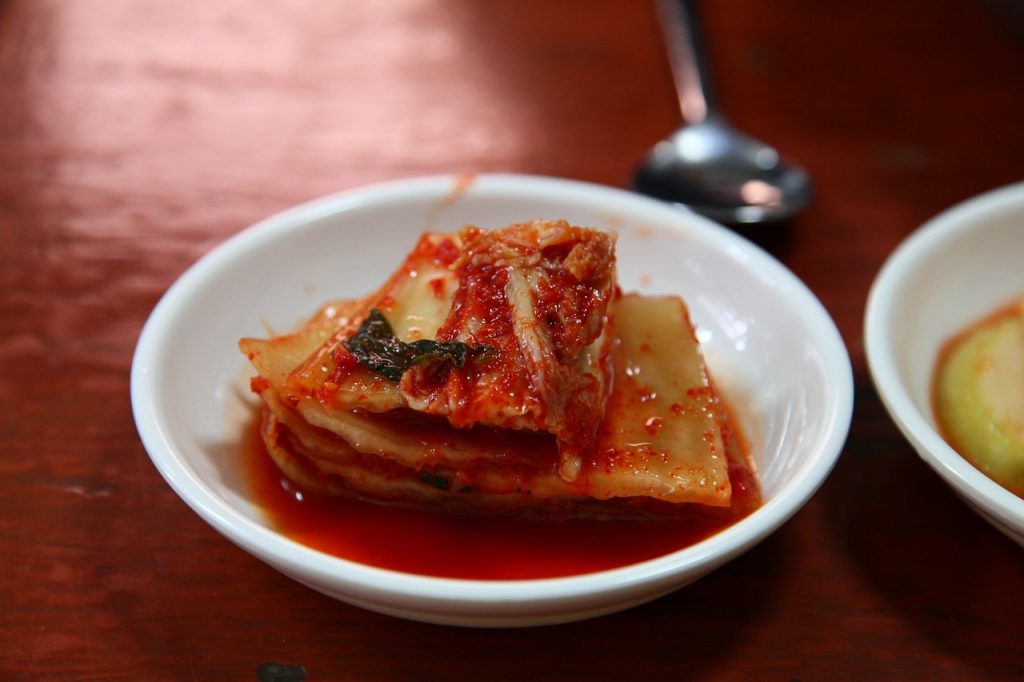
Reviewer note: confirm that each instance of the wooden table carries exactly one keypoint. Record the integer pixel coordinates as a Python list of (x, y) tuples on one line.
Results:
[(135, 136)]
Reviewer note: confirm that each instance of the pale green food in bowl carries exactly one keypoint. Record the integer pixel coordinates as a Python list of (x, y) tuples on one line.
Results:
[(979, 397)]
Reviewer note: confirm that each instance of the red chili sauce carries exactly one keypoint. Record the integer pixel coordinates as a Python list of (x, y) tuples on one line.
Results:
[(416, 541)]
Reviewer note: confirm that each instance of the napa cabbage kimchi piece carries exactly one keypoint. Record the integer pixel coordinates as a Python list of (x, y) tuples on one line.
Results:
[(498, 370)]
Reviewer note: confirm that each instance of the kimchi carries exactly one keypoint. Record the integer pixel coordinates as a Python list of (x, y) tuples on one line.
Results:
[(501, 371)]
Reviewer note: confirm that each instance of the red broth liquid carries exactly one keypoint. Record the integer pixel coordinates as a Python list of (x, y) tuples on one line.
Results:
[(415, 541)]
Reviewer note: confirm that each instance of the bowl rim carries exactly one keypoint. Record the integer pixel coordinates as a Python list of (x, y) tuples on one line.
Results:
[(882, 365), (373, 582)]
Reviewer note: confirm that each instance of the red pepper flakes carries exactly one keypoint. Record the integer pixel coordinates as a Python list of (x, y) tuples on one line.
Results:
[(446, 253)]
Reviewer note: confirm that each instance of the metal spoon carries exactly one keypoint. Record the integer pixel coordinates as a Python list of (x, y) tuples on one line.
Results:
[(707, 165)]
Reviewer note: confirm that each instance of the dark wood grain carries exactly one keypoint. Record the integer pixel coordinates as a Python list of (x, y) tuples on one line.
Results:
[(134, 136)]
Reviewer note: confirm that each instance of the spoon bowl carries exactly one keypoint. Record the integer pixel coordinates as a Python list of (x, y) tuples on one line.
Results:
[(723, 174)]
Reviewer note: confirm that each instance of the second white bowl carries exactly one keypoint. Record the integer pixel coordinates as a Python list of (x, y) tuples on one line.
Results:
[(954, 270)]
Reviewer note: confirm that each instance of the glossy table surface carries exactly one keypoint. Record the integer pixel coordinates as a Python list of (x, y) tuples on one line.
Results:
[(136, 136)]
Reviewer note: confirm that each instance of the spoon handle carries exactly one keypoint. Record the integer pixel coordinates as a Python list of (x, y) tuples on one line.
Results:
[(691, 69)]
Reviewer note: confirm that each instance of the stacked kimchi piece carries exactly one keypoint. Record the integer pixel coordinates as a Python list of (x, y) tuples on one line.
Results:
[(502, 371)]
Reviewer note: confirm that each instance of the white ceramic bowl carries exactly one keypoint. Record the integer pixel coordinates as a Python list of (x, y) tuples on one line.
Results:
[(958, 267), (771, 346)]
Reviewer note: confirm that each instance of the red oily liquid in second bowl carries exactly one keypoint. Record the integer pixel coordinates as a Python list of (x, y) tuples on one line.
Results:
[(415, 541)]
